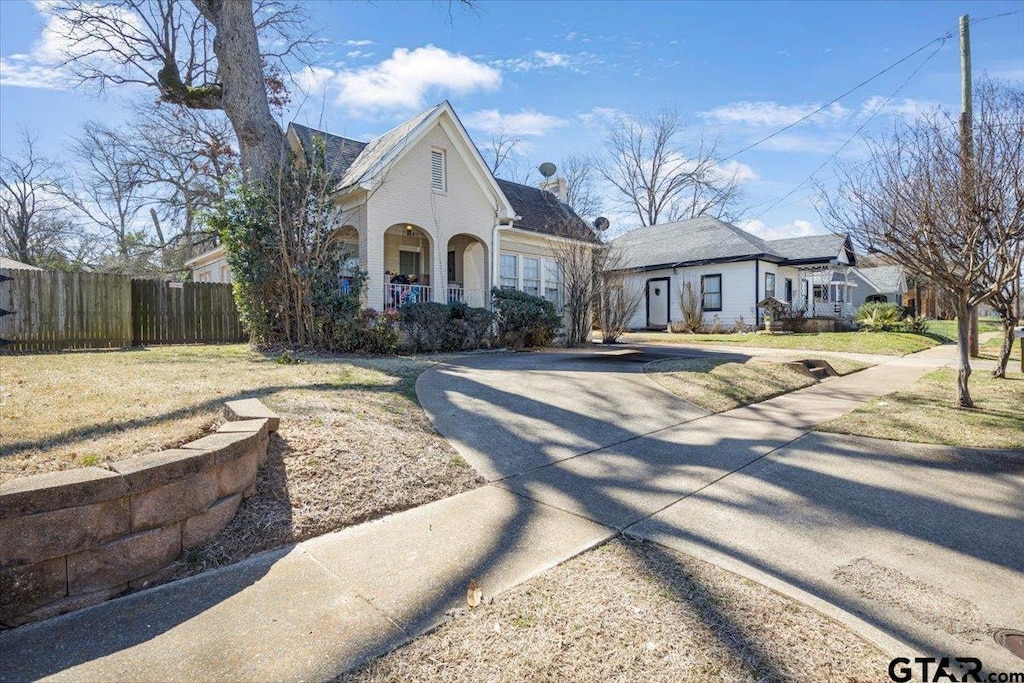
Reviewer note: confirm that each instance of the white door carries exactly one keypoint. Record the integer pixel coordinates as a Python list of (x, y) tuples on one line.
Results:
[(657, 302)]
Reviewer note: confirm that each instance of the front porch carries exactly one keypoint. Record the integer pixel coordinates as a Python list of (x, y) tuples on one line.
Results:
[(825, 292), (406, 264)]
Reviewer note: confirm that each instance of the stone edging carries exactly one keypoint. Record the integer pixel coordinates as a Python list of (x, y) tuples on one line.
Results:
[(78, 537)]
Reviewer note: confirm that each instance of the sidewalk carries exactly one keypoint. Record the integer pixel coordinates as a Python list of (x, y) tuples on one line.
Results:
[(323, 606)]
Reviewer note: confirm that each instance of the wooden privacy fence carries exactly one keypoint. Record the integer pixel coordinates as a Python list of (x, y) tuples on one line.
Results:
[(52, 311), (183, 313)]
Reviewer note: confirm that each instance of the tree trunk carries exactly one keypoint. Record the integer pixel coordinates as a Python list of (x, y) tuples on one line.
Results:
[(973, 333), (260, 140), (1006, 348), (963, 368)]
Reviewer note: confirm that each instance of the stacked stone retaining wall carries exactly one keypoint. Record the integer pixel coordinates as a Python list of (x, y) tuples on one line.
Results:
[(78, 537)]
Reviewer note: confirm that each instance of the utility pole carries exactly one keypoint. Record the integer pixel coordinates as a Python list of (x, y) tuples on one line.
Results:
[(967, 151)]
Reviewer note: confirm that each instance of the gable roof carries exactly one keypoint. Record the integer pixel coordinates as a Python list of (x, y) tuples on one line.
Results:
[(883, 278), (694, 240), (340, 152), (11, 264), (811, 247), (540, 211)]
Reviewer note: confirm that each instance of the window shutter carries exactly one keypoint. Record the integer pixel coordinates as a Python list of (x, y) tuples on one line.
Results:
[(437, 169)]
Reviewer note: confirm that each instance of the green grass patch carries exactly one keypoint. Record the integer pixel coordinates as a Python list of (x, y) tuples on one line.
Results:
[(881, 343), (720, 384), (926, 412), (947, 328)]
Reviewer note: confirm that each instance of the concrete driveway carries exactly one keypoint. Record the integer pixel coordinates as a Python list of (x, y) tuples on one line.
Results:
[(919, 548)]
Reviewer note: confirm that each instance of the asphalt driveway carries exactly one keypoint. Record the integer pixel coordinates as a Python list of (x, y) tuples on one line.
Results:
[(920, 548)]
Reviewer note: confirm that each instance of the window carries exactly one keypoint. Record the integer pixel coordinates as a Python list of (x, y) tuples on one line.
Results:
[(409, 263), (820, 293), (531, 275), (711, 292), (789, 290), (437, 175), (509, 271), (769, 285), (553, 282)]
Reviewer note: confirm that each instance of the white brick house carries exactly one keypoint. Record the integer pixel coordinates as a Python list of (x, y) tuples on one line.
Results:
[(425, 218)]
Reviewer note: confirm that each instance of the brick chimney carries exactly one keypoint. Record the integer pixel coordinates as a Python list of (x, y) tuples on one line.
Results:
[(557, 187)]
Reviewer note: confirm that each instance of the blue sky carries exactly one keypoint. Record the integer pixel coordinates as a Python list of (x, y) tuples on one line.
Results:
[(554, 72)]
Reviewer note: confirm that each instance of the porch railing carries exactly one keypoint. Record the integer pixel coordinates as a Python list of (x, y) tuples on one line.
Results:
[(471, 297), (397, 295), (828, 309)]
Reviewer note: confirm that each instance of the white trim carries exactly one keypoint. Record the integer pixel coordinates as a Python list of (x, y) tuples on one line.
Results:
[(208, 257), (550, 238)]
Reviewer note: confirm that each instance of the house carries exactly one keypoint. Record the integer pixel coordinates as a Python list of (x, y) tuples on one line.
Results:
[(731, 270), (11, 264), (423, 216), (887, 284), (211, 266)]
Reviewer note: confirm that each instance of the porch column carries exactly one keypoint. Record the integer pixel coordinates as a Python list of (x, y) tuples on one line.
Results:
[(375, 279), (439, 269)]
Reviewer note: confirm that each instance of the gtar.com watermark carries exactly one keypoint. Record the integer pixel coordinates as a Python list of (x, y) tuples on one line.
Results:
[(952, 669)]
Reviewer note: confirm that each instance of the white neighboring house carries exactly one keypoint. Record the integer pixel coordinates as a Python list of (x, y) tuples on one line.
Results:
[(887, 284), (210, 267), (732, 270), (425, 218)]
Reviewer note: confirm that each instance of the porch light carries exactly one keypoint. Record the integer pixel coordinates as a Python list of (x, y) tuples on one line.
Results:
[(408, 230)]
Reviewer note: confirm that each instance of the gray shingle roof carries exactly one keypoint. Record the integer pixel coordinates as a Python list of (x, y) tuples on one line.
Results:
[(691, 241), (884, 278), (809, 247), (341, 152), (541, 212), (11, 264)]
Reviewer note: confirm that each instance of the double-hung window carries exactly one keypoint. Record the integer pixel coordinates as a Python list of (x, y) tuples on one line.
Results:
[(553, 282), (769, 285), (509, 271), (711, 292), (531, 275)]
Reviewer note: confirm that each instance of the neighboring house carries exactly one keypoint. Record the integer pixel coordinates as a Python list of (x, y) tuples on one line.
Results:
[(11, 264), (424, 217), (887, 284), (211, 266), (731, 270)]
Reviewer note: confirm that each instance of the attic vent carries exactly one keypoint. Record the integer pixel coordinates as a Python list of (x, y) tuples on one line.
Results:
[(437, 169)]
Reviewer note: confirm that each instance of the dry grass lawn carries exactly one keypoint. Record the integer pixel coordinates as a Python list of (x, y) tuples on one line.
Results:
[(926, 412), (632, 611), (354, 444), (882, 343), (720, 384)]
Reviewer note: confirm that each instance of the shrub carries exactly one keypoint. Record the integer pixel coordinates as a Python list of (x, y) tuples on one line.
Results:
[(740, 326), (368, 330), (918, 324), (691, 306), (445, 327), (523, 319), (878, 316), (680, 327)]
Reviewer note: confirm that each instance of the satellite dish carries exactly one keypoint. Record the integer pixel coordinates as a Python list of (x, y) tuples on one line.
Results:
[(601, 224), (547, 169)]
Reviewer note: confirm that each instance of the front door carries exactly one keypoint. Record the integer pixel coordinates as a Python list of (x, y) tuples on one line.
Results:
[(657, 303)]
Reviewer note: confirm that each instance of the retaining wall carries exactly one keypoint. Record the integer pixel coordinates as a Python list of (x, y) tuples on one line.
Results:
[(78, 537)]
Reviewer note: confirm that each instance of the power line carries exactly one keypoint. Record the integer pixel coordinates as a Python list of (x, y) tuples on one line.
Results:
[(858, 131), (940, 39)]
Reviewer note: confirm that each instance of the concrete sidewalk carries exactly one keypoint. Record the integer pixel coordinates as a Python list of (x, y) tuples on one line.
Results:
[(583, 445)]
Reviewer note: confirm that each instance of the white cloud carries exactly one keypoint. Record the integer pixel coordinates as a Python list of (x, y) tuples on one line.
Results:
[(908, 107), (525, 122), (599, 116), (403, 80), (313, 79), (358, 43), (542, 59), (738, 171), (42, 66), (356, 54), (798, 228), (773, 114)]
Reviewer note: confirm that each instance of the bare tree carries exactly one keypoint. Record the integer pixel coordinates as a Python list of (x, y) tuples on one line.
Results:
[(1007, 304), (620, 294), (579, 172), (34, 224), (658, 177), (954, 217), (184, 157), (107, 191), (503, 147), (200, 54)]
